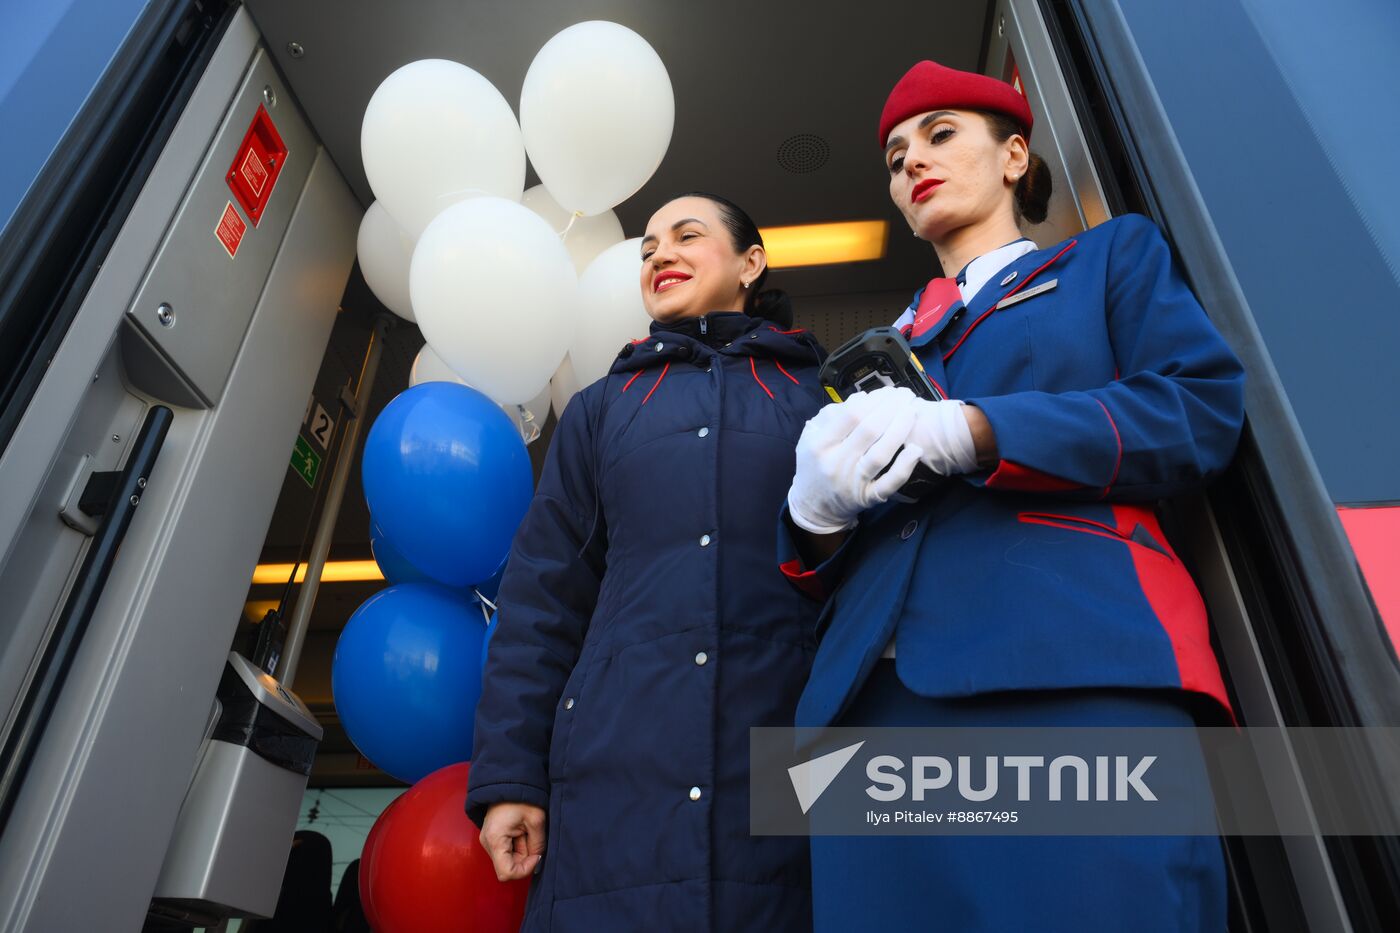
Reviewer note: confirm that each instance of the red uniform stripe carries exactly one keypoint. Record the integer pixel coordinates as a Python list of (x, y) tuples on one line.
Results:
[(754, 369), (656, 383), (1119, 438), (1024, 282), (804, 580), (1174, 599), (1011, 475)]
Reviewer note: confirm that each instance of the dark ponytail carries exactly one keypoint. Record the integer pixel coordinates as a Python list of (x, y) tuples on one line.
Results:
[(772, 305), (1032, 194)]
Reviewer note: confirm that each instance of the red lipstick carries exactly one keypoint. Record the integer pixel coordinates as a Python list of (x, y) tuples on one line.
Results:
[(924, 188), (667, 279)]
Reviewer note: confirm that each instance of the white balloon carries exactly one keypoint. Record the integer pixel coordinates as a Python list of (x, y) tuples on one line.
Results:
[(610, 310), (434, 133), (429, 367), (586, 237), (563, 386), (385, 252), (494, 293), (596, 112)]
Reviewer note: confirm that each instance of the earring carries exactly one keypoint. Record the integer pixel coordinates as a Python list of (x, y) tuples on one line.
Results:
[(746, 284)]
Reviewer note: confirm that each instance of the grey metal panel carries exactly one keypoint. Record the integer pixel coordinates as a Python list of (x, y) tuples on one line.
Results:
[(25, 463), (116, 761), (235, 826), (82, 407), (1077, 199), (209, 290)]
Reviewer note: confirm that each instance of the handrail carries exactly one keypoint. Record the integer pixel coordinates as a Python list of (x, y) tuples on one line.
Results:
[(36, 706)]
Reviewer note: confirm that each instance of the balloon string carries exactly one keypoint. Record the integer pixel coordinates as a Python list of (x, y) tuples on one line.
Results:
[(529, 428), (564, 234), (484, 603)]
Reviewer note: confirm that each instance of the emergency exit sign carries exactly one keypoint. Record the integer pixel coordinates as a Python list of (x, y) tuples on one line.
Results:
[(305, 461)]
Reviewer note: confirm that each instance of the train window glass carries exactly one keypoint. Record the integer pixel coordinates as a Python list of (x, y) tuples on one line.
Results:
[(52, 56), (1328, 60), (1305, 255)]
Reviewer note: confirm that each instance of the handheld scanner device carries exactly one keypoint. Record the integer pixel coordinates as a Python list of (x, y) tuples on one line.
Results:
[(879, 357), (876, 358)]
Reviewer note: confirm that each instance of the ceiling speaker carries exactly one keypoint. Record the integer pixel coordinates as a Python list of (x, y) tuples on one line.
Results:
[(803, 153)]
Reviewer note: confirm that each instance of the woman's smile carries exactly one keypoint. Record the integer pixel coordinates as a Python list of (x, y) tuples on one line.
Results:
[(668, 279)]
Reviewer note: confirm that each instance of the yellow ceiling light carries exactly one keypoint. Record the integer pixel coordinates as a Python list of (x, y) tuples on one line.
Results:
[(255, 610), (818, 244), (336, 571)]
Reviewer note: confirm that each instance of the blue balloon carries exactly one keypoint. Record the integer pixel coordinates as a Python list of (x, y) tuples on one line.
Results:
[(486, 640), (392, 564), (407, 677), (491, 586), (448, 480)]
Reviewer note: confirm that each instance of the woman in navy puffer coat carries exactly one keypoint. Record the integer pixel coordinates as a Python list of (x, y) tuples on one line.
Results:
[(643, 628)]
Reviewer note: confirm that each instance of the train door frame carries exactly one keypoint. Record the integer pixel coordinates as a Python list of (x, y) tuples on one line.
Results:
[(90, 816), (1290, 607)]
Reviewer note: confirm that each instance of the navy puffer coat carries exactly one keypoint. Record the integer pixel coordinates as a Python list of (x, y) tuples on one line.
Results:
[(644, 629)]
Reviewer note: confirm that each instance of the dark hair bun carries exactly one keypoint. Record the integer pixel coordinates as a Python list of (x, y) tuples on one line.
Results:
[(772, 305), (1033, 190)]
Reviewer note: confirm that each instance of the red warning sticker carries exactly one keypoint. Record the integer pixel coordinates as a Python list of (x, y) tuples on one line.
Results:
[(253, 171), (230, 230)]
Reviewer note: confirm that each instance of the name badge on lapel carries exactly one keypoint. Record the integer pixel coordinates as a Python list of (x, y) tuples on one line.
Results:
[(1040, 289)]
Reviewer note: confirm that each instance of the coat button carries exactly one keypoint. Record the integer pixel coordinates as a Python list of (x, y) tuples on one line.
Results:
[(569, 703), (704, 540), (703, 432), (659, 347), (701, 658), (908, 530), (695, 793)]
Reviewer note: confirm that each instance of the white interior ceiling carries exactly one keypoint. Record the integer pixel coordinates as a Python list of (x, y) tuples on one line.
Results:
[(748, 77)]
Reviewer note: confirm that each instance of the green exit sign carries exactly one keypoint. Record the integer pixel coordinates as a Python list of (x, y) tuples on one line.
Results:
[(305, 461)]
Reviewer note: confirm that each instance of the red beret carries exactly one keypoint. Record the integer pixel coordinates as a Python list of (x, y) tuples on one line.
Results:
[(930, 86)]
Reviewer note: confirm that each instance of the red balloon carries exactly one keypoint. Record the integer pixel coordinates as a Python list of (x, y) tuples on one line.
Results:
[(423, 869), (367, 855)]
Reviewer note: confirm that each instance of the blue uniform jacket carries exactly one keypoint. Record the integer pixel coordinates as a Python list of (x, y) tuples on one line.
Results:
[(1108, 388), (643, 629)]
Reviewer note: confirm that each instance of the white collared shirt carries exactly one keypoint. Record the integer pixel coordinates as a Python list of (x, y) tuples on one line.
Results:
[(979, 272)]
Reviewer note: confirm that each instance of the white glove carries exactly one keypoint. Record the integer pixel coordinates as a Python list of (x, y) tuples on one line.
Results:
[(841, 451), (941, 430)]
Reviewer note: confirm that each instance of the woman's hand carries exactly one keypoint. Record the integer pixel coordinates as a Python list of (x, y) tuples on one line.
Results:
[(984, 439), (841, 454), (513, 835), (955, 437)]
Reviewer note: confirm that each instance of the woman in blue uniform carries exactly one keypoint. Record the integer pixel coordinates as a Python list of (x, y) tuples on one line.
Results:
[(1082, 382), (643, 627)]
